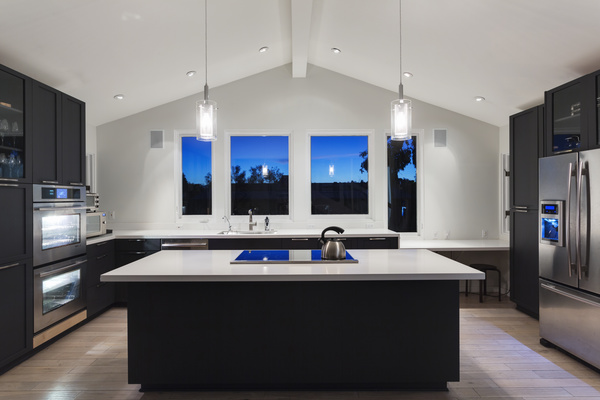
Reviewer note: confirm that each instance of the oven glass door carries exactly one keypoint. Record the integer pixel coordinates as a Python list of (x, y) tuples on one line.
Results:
[(61, 289), (58, 232), (62, 229), (58, 292)]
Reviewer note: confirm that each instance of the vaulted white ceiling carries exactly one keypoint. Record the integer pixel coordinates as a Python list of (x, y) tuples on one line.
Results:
[(509, 51)]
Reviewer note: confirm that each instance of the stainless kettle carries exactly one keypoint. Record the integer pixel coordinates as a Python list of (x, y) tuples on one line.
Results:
[(333, 249)]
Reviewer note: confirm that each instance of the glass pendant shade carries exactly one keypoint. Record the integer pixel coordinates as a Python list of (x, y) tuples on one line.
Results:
[(401, 119), (206, 120)]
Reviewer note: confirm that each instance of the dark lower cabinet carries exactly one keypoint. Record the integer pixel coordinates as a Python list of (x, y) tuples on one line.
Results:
[(375, 243), (101, 259), (128, 251), (245, 244), (16, 213), (526, 146), (16, 313), (307, 243)]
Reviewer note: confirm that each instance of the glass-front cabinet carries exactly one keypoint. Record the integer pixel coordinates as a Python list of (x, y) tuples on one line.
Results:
[(565, 107), (13, 123)]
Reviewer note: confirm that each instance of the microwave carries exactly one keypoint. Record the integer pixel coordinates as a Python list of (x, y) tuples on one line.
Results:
[(92, 201), (95, 224)]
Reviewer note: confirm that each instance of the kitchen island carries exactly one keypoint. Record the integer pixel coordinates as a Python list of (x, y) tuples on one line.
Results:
[(197, 321)]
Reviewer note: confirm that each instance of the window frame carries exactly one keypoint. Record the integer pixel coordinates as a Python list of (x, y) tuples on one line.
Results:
[(227, 167), (420, 134), (179, 217), (369, 217)]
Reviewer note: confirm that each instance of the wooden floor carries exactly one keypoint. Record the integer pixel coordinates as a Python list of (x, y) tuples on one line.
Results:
[(501, 358)]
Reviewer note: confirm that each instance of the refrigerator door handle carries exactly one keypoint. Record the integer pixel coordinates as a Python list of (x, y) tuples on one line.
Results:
[(578, 220), (568, 219)]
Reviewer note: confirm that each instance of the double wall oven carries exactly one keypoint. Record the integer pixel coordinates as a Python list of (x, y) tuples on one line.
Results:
[(59, 248)]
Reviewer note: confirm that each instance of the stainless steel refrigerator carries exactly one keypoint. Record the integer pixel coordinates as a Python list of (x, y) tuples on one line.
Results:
[(569, 253)]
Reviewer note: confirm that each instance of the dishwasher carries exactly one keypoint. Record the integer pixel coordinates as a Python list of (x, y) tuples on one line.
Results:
[(184, 244)]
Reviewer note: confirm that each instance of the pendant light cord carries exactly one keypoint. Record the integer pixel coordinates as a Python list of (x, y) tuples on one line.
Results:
[(205, 50), (400, 87)]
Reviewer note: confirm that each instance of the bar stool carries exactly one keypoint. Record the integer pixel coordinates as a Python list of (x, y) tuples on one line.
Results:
[(485, 268)]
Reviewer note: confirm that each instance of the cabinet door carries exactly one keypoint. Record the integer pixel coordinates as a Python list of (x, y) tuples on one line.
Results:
[(16, 211), (566, 123), (16, 313), (376, 243), (101, 259), (46, 133), (524, 270), (525, 140), (73, 141), (245, 244), (15, 141)]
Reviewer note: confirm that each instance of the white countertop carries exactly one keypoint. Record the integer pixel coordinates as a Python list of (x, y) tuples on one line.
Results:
[(456, 245), (215, 266), (213, 234)]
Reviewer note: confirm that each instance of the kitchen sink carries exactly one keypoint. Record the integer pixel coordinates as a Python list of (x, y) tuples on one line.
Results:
[(247, 232)]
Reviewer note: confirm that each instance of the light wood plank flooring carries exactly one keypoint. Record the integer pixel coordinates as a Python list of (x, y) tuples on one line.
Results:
[(501, 358)]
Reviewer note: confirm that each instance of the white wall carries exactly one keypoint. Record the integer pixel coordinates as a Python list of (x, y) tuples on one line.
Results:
[(460, 182)]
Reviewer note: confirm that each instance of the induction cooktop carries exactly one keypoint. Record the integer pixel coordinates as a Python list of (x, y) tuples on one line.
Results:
[(286, 257)]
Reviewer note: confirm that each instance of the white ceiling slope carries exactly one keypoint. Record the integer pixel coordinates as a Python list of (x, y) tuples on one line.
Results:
[(509, 51)]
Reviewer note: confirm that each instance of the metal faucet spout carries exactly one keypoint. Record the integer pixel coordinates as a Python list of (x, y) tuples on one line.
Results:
[(251, 224)]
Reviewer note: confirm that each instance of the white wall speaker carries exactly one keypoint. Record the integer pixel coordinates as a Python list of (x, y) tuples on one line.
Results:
[(156, 139), (439, 137)]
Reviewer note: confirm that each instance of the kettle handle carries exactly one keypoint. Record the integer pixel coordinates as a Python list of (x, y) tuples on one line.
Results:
[(330, 228)]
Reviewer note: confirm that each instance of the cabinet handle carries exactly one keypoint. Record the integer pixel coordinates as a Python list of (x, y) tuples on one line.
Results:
[(9, 266), (9, 180), (378, 239), (101, 257), (76, 183), (299, 239), (8, 185), (50, 182), (101, 284), (100, 244), (136, 240), (136, 252)]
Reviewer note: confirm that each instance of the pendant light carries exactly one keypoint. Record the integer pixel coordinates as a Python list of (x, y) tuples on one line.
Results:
[(206, 110), (401, 108)]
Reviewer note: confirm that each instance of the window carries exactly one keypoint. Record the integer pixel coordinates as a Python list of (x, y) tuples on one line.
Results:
[(259, 175), (402, 185), (196, 169), (339, 175)]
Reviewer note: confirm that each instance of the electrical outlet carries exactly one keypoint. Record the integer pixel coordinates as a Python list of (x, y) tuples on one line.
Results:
[(112, 215), (446, 235), (435, 235), (484, 234)]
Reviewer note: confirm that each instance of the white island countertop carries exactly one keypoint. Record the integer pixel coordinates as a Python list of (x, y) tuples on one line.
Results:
[(215, 266)]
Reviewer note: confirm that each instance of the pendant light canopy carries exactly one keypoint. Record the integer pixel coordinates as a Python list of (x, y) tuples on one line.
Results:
[(206, 110), (401, 108)]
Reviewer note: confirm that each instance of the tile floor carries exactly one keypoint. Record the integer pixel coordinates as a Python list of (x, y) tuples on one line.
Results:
[(501, 359)]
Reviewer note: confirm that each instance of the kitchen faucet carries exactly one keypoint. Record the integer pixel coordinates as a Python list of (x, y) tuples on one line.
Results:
[(228, 223), (250, 223)]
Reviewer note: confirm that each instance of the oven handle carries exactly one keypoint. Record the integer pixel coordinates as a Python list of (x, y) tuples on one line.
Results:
[(55, 271), (59, 208)]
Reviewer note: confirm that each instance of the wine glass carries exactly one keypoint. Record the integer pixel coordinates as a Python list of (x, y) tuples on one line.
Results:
[(15, 131), (3, 130)]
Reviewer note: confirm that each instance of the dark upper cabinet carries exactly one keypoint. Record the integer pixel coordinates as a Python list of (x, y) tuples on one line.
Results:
[(73, 141), (16, 213), (15, 138), (526, 145), (58, 130), (16, 313), (572, 116)]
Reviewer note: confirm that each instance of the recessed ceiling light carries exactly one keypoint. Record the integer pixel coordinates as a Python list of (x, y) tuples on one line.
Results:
[(119, 96), (190, 73), (479, 98), (407, 74), (263, 49), (335, 50)]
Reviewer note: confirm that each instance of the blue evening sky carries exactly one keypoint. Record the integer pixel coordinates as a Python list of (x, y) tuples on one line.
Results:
[(341, 151), (250, 151), (195, 159)]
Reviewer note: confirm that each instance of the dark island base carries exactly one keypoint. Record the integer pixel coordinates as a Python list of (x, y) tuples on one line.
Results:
[(350, 335)]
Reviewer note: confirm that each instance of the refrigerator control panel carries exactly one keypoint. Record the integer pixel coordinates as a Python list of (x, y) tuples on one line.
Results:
[(552, 226)]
